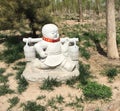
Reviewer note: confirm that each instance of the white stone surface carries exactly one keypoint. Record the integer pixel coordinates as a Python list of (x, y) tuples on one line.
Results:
[(34, 74), (57, 59)]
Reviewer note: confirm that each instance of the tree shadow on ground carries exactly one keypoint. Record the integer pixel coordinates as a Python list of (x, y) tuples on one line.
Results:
[(96, 41), (99, 48)]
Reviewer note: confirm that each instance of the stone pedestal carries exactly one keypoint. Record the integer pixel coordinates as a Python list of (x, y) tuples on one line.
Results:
[(34, 74)]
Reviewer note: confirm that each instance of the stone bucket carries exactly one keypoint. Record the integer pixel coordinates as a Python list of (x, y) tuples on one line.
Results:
[(29, 52), (74, 52)]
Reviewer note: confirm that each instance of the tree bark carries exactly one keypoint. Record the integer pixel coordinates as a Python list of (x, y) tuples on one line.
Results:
[(97, 7), (80, 11), (111, 30), (119, 14)]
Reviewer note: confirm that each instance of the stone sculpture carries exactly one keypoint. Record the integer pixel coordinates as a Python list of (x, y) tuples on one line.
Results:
[(56, 58)]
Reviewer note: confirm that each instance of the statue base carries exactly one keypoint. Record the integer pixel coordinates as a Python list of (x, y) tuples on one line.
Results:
[(39, 75)]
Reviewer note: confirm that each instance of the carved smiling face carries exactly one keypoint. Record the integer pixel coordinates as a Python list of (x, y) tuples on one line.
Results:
[(50, 31)]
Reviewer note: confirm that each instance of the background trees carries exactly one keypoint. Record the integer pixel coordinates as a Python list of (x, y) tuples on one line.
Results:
[(23, 15), (17, 14), (8, 15), (80, 11)]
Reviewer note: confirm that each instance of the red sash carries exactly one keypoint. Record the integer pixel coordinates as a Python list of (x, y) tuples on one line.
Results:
[(50, 40)]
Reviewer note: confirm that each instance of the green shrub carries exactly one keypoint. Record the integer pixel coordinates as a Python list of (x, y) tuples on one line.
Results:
[(87, 44), (32, 106), (12, 41), (19, 71), (2, 36), (72, 81), (71, 31), (2, 70), (21, 64), (13, 51), (12, 54), (60, 99), (100, 36), (48, 84), (84, 53), (13, 102), (4, 78), (52, 103), (97, 109), (41, 97), (22, 85), (84, 73), (55, 102), (94, 90), (111, 73), (4, 89)]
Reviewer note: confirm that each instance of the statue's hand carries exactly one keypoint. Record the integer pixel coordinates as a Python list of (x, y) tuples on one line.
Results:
[(43, 54)]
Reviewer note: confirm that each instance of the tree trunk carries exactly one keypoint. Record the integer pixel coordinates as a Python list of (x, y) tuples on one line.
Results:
[(33, 29), (97, 7), (80, 11), (111, 30), (119, 14)]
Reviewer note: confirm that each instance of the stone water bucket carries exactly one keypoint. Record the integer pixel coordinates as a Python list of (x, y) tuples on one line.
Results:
[(29, 52), (74, 52)]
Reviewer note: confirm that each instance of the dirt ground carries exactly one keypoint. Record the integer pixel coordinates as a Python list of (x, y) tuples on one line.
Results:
[(97, 64)]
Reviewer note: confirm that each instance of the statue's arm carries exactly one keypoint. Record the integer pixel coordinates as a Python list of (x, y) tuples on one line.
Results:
[(40, 49)]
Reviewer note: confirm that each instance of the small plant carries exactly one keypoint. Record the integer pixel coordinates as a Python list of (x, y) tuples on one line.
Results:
[(12, 41), (41, 97), (84, 53), (94, 90), (72, 81), (48, 84), (59, 99), (11, 54), (21, 64), (13, 102), (84, 73), (22, 85), (14, 50), (20, 70), (55, 101), (111, 73), (51, 103), (4, 89), (3, 79), (87, 44), (32, 106), (77, 104), (2, 36), (97, 109), (2, 70)]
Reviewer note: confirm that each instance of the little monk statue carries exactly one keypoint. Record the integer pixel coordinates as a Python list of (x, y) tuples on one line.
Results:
[(54, 54), (50, 50)]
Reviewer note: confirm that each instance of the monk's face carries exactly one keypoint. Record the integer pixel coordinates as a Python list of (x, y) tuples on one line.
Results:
[(50, 31)]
